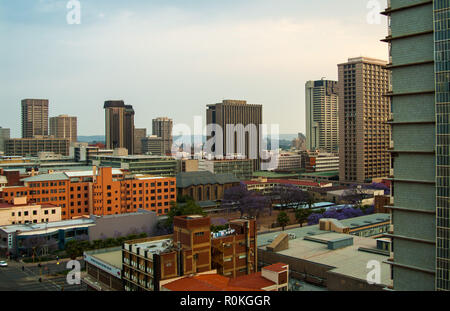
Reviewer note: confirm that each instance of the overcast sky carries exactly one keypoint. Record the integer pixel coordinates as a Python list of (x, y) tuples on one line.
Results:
[(174, 57)]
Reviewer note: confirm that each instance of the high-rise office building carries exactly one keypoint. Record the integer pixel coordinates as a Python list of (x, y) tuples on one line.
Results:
[(64, 126), (119, 125), (162, 127), (233, 113), (322, 115), (420, 61), (364, 110), (34, 117), (5, 134), (139, 134)]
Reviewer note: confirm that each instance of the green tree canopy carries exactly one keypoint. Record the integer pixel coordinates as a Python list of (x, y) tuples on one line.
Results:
[(182, 209), (301, 215), (283, 219)]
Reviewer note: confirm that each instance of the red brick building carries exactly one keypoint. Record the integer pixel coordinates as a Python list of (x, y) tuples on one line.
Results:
[(192, 249), (103, 191)]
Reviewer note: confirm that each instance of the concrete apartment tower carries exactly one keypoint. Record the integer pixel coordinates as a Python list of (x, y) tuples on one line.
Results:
[(34, 117), (322, 126), (162, 127), (418, 39), (64, 126), (364, 110), (119, 125), (234, 112)]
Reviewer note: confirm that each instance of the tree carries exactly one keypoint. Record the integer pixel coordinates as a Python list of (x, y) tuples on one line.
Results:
[(248, 202), (314, 218), (181, 209), (253, 205), (283, 219), (355, 195), (301, 215), (380, 186), (290, 196)]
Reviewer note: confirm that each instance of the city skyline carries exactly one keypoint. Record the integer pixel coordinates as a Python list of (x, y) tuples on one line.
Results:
[(180, 57)]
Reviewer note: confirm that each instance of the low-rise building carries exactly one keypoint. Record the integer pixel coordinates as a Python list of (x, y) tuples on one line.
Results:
[(21, 212), (367, 195), (288, 162), (16, 238), (32, 146), (139, 164), (267, 186), (320, 162), (103, 269), (332, 260), (103, 191), (271, 278), (204, 186), (187, 165), (192, 249)]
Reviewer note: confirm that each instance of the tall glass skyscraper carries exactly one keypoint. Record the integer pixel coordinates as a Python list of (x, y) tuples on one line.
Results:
[(419, 49)]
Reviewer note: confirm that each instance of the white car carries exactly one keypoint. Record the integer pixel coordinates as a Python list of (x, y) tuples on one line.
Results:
[(3, 264)]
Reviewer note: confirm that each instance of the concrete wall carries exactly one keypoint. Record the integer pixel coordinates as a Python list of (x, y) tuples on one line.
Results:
[(113, 226)]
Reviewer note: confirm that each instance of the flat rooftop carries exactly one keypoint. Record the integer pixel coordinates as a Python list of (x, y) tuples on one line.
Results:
[(300, 233), (153, 247), (48, 227), (111, 256), (347, 260)]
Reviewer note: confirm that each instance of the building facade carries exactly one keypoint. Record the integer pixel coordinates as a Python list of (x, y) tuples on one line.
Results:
[(242, 169), (32, 146), (105, 191), (153, 145), (420, 133), (139, 135), (364, 110), (139, 164), (322, 126), (34, 117), (64, 126), (5, 134), (204, 186), (162, 127), (21, 212), (232, 113), (192, 249), (119, 125), (234, 251), (320, 162), (288, 162)]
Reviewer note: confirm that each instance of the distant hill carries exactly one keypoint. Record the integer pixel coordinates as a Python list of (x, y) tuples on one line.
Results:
[(88, 139)]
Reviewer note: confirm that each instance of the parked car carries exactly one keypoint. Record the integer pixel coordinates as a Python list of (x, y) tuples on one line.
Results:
[(3, 264)]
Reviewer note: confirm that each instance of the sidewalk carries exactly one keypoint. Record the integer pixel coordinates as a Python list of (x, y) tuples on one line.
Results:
[(43, 263)]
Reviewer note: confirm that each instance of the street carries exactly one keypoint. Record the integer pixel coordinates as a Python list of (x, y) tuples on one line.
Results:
[(12, 278)]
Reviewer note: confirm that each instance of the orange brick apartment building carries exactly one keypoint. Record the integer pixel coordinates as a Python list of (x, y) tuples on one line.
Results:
[(103, 191), (192, 249)]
